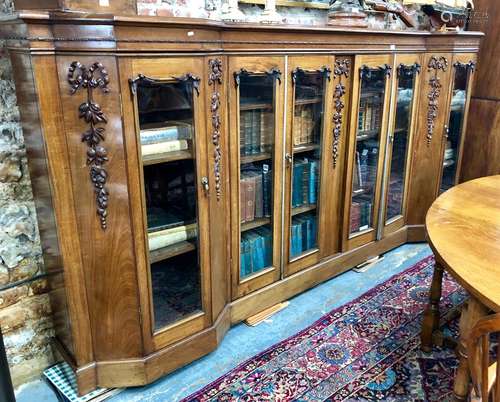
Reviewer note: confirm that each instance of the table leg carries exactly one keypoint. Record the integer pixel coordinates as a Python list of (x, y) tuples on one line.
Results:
[(430, 322), (471, 312)]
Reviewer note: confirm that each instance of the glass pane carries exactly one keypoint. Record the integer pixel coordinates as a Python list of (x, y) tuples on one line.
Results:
[(457, 110), (404, 99), (367, 149), (167, 146), (307, 132), (256, 172)]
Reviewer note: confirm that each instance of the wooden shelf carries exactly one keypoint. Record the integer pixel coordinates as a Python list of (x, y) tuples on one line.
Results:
[(167, 157), (286, 3), (171, 251), (255, 224), (312, 101), (253, 106), (255, 158), (303, 208), (304, 148)]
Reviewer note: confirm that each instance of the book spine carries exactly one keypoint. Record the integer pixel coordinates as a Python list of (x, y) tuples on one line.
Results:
[(243, 118), (163, 147), (259, 201), (243, 199), (250, 199), (248, 132), (247, 252), (159, 135), (267, 189), (306, 174), (297, 125), (313, 182), (256, 140)]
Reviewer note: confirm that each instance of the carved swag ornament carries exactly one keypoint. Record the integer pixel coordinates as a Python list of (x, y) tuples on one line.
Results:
[(89, 78), (435, 64), (340, 70), (215, 79)]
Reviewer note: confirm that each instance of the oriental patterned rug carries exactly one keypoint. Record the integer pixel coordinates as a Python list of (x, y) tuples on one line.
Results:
[(368, 349)]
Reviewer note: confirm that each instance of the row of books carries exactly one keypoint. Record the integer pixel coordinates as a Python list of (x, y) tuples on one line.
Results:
[(256, 131), (162, 138), (305, 181), (303, 233), (370, 113), (304, 127), (361, 214), (256, 193), (256, 250)]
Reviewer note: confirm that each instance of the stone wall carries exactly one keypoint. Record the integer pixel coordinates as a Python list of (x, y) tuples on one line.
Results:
[(24, 305)]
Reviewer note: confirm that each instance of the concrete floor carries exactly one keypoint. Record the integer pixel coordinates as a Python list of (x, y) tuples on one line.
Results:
[(242, 342)]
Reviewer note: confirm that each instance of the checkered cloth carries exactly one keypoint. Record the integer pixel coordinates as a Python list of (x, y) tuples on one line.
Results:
[(64, 380)]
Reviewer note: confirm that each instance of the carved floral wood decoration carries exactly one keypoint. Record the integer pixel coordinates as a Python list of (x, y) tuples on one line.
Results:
[(340, 70), (326, 71), (90, 78), (435, 64), (273, 72), (215, 79)]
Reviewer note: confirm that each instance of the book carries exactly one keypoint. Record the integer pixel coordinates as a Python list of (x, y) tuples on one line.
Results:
[(266, 130), (267, 239), (248, 132), (243, 117), (296, 246), (164, 147), (355, 217), (305, 181), (167, 237), (257, 251), (297, 125), (250, 198), (267, 189), (243, 199), (160, 219), (297, 187), (259, 200), (313, 181), (154, 133), (246, 268), (255, 132)]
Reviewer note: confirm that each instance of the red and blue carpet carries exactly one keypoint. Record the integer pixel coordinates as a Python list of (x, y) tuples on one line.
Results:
[(365, 350)]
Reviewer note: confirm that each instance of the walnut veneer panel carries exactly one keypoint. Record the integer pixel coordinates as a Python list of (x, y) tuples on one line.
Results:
[(108, 255)]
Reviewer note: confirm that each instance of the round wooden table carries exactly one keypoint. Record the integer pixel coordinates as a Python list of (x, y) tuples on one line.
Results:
[(463, 228)]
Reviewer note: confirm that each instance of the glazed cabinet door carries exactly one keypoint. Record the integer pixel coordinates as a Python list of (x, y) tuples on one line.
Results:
[(368, 128), (312, 180), (404, 106), (458, 106), (256, 146), (167, 153)]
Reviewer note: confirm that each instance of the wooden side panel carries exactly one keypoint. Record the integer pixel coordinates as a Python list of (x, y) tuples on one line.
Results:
[(427, 153), (108, 255), (47, 158), (481, 151)]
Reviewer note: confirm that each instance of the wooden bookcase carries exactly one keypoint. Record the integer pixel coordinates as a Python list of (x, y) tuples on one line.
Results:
[(189, 173)]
